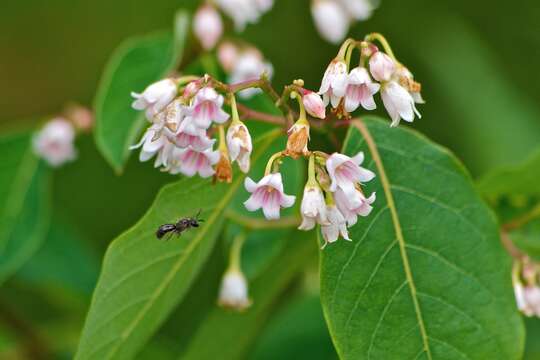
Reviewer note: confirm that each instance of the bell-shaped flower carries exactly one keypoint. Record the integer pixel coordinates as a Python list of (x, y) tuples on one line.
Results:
[(359, 9), (527, 299), (207, 26), (189, 162), (345, 172), (243, 12), (268, 194), (313, 104), (313, 207), (331, 20), (334, 83), (239, 145), (398, 103), (360, 90), (233, 293), (353, 206), (405, 78), (151, 142), (381, 66), (155, 97), (54, 142), (207, 107), (249, 65), (334, 227)]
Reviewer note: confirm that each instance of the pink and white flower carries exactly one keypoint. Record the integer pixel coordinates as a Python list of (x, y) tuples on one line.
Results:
[(314, 104), (244, 12), (381, 66), (54, 142), (334, 83), (207, 107), (199, 142), (189, 162), (268, 194), (239, 145), (234, 291), (335, 226), (249, 65), (207, 26), (155, 97), (527, 299), (360, 90), (359, 9), (353, 206), (345, 172), (313, 207), (331, 20), (227, 54), (398, 102), (406, 79), (153, 140)]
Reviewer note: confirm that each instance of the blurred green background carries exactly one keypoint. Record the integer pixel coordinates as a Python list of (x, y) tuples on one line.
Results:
[(477, 62)]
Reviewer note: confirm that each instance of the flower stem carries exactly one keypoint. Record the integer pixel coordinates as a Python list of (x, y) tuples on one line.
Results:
[(234, 109), (235, 253), (382, 40), (222, 140), (274, 157), (343, 49)]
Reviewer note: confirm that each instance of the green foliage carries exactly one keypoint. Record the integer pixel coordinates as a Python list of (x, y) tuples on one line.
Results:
[(233, 334), (142, 279), (24, 195), (425, 276), (136, 64)]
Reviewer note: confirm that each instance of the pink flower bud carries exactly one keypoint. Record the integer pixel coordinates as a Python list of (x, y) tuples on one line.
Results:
[(314, 104), (382, 67), (227, 54), (207, 26)]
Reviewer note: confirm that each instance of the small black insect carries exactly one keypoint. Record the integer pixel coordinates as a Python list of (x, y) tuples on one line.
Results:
[(179, 227)]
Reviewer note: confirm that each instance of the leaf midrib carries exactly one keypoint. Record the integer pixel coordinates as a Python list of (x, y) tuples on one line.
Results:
[(397, 228)]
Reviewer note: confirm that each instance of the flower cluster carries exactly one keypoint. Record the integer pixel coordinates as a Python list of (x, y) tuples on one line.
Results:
[(347, 90), (208, 25), (180, 128), (334, 17), (526, 279)]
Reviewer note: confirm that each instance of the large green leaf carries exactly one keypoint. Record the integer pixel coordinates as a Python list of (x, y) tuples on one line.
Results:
[(232, 334), (425, 276), (135, 64), (142, 279), (24, 203)]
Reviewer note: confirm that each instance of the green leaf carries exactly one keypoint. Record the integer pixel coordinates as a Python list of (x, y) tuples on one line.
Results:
[(135, 64), (425, 276), (231, 333), (24, 195), (518, 180), (142, 279)]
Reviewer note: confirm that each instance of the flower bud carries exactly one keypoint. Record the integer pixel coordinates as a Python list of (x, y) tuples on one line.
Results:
[(314, 104), (382, 66), (54, 142), (239, 145), (331, 20), (207, 26), (224, 168), (234, 291), (80, 116), (313, 207), (227, 55), (298, 139)]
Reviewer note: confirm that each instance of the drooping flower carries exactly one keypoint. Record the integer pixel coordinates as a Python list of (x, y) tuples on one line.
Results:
[(298, 139), (360, 90), (405, 78), (335, 226), (155, 97), (313, 104), (353, 206), (233, 293), (381, 66), (268, 194), (151, 142), (239, 145), (244, 12), (207, 107), (54, 142), (345, 172), (313, 207), (223, 168), (207, 26), (198, 142), (334, 83), (527, 299), (189, 162), (249, 65), (331, 20), (227, 54), (398, 102)]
